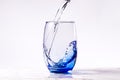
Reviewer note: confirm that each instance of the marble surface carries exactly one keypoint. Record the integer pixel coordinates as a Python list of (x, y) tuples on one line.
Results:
[(77, 74)]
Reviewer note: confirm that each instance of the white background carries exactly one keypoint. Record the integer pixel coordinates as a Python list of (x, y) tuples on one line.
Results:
[(21, 32)]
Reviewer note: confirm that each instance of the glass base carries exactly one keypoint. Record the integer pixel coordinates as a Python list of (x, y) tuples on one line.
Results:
[(59, 70)]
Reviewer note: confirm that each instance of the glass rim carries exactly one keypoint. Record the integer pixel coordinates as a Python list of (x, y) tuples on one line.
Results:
[(61, 21)]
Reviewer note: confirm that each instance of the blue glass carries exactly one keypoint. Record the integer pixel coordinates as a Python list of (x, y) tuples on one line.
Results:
[(60, 46)]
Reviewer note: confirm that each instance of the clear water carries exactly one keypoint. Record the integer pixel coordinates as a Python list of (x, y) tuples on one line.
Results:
[(67, 62), (56, 20)]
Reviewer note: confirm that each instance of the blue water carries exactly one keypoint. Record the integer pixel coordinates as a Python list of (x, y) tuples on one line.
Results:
[(67, 62)]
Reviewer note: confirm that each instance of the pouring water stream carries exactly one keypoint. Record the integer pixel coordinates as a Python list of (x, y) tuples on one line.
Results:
[(56, 20)]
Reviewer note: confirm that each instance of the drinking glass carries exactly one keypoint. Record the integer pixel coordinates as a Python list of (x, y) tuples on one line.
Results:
[(60, 46)]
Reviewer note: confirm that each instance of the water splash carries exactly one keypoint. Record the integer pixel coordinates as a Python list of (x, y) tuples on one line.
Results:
[(70, 54), (67, 62)]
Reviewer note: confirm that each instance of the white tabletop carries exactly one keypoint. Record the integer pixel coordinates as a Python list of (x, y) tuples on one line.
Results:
[(78, 74)]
